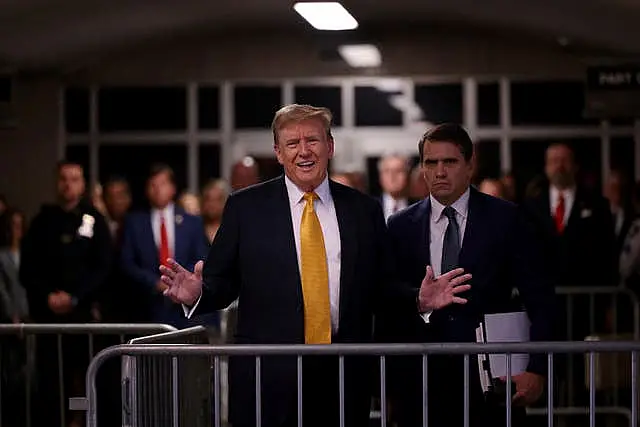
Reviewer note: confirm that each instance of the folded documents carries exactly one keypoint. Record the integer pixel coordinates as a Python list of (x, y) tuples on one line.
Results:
[(497, 328)]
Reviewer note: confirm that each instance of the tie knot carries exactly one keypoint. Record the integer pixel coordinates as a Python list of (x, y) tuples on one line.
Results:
[(310, 197), (450, 213)]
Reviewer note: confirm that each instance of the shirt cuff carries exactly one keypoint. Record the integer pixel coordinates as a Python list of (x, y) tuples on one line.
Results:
[(426, 315), (188, 311)]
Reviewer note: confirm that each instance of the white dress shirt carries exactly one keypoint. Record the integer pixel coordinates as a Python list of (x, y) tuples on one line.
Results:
[(326, 212), (569, 195), (388, 204), (438, 224), (169, 221)]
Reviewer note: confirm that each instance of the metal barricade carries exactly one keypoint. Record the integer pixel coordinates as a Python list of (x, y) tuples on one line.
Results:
[(606, 313), (467, 350), (167, 391), (28, 332)]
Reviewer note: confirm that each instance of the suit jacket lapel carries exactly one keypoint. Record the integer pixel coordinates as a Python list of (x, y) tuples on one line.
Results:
[(470, 240), (283, 236), (179, 238), (147, 231), (348, 227), (423, 240), (9, 266)]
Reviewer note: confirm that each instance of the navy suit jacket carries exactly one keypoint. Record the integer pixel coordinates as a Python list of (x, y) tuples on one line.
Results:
[(500, 253), (140, 258)]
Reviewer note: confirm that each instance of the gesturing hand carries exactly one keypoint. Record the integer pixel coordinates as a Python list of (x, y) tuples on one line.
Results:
[(184, 287), (438, 293)]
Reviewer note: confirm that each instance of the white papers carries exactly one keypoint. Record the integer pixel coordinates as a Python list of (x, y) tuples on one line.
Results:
[(503, 327)]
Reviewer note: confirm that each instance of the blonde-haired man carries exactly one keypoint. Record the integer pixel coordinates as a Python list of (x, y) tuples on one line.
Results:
[(304, 255)]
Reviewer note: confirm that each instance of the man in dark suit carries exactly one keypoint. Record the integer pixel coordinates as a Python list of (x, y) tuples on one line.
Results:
[(293, 289), (459, 227), (164, 231)]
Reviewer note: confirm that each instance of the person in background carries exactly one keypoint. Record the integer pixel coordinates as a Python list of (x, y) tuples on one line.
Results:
[(4, 205), (342, 178), (244, 173), (616, 190), (13, 309), (214, 197), (492, 187), (509, 184), (154, 235), (393, 171), (65, 261), (418, 187), (190, 203)]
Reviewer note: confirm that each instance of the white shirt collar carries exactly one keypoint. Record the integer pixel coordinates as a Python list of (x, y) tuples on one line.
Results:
[(167, 211), (296, 195), (461, 206)]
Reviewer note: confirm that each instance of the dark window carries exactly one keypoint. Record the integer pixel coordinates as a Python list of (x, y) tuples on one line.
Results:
[(5, 88), (488, 159), (208, 162), (79, 153), (76, 109), (256, 105), (374, 108), (209, 107), (440, 103), (622, 156), (528, 159), (548, 103), (133, 163), (489, 104), (322, 96), (142, 108)]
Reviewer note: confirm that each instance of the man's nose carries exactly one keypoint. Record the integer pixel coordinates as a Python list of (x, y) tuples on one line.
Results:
[(440, 170)]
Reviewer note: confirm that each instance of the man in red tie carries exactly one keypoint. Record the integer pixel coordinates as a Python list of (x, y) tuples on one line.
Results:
[(151, 237)]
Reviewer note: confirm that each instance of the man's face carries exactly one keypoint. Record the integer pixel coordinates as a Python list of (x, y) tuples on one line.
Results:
[(117, 199), (71, 183), (446, 171), (160, 190), (304, 150), (560, 167), (393, 175)]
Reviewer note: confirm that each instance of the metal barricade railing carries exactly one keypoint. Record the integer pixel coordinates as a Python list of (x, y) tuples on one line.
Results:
[(148, 401), (382, 351), (604, 313), (29, 332)]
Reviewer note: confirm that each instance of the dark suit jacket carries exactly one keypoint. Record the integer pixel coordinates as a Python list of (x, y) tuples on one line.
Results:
[(500, 253), (253, 257), (588, 240), (140, 258)]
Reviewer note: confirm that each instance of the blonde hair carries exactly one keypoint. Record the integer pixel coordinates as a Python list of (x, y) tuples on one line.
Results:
[(295, 113)]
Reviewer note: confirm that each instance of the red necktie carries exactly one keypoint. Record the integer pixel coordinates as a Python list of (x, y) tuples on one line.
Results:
[(164, 242), (559, 217)]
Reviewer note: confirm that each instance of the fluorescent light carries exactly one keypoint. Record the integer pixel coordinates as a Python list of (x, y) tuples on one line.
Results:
[(326, 16), (361, 55)]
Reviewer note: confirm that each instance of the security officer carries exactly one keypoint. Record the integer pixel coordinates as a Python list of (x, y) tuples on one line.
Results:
[(66, 257)]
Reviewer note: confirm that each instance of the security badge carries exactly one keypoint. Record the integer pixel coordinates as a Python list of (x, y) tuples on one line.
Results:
[(179, 219), (86, 228)]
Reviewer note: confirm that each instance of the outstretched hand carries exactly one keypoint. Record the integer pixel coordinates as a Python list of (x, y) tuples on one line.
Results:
[(184, 287), (436, 293)]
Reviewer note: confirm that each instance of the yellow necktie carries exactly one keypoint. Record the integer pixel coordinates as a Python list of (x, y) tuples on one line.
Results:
[(315, 277)]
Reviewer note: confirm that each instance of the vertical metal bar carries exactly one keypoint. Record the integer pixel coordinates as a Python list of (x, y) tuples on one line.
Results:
[(258, 394), (383, 391), (341, 387), (466, 390), (61, 381), (299, 390), (174, 391), (1, 352), (425, 391), (508, 394), (592, 390), (216, 390), (550, 390), (634, 388)]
